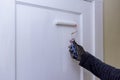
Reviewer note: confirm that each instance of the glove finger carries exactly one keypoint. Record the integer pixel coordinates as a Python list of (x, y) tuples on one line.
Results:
[(72, 55), (75, 43), (71, 51)]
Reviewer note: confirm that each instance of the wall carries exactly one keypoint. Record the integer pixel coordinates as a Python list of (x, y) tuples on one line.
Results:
[(112, 32)]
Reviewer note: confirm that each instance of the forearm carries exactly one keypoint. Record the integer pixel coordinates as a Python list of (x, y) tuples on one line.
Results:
[(98, 68)]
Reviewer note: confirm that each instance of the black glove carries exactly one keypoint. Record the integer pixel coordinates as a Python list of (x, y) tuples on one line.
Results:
[(76, 50)]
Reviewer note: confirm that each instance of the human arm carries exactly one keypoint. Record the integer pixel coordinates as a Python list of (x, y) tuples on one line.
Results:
[(94, 65)]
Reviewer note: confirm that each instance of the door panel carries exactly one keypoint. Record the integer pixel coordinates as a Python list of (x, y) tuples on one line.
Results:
[(42, 46)]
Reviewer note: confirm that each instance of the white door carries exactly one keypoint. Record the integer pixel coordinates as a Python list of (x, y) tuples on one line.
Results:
[(37, 34), (43, 31)]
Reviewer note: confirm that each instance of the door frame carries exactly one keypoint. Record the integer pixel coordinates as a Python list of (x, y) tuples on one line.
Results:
[(8, 7)]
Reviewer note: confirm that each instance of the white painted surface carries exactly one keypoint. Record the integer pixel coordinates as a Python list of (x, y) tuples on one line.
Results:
[(41, 47), (7, 40), (61, 4), (99, 29)]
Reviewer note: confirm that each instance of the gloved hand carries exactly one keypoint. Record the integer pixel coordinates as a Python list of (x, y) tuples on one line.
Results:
[(76, 50)]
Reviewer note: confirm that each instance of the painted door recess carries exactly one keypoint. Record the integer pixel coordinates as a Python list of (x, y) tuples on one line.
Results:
[(42, 43), (42, 46)]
